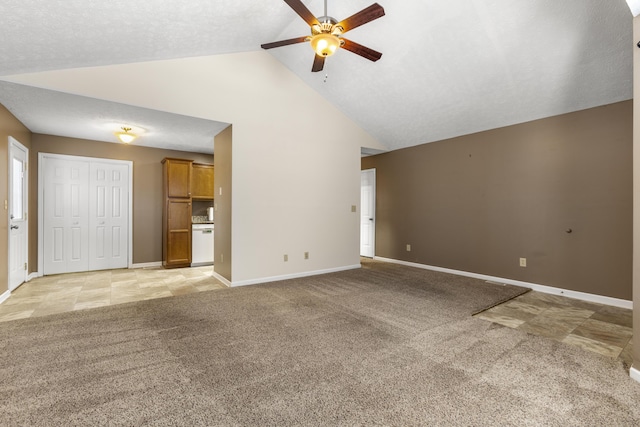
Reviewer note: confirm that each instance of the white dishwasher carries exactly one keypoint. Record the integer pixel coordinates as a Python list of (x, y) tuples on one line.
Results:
[(201, 244)]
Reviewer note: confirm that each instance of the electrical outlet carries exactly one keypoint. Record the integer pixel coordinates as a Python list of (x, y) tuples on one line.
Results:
[(306, 255), (408, 248), (222, 258), (286, 257), (523, 262), (353, 208), (220, 191)]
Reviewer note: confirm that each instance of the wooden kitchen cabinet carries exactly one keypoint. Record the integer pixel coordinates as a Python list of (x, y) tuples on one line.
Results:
[(178, 234), (202, 181), (176, 215), (177, 177)]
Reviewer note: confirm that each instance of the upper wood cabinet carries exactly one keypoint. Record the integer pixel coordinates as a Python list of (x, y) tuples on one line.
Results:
[(177, 177), (202, 181)]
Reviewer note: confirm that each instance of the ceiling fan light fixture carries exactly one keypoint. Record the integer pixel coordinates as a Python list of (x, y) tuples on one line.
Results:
[(124, 135), (325, 44)]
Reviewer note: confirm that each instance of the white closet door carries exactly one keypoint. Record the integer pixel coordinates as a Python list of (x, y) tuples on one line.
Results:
[(108, 216), (66, 216)]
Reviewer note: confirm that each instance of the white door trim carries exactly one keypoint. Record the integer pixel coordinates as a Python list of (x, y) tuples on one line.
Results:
[(41, 158), (14, 142), (373, 211)]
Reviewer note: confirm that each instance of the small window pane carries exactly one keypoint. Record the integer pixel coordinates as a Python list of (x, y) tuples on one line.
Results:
[(17, 199)]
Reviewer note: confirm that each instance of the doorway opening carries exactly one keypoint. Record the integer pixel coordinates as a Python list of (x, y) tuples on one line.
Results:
[(368, 213)]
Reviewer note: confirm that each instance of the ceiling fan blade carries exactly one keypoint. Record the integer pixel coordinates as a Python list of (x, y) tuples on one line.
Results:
[(284, 42), (318, 63), (368, 14), (363, 51), (302, 10)]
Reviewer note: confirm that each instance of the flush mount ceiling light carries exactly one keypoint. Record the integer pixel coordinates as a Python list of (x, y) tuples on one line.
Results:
[(125, 135), (326, 33)]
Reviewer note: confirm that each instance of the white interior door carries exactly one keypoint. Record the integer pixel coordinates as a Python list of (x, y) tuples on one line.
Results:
[(367, 212), (65, 215), (18, 225), (108, 216)]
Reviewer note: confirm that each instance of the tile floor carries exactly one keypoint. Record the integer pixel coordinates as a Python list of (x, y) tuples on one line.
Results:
[(78, 291), (594, 327)]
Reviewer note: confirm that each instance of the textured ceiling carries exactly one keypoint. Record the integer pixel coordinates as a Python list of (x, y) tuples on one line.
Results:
[(56, 113), (449, 67)]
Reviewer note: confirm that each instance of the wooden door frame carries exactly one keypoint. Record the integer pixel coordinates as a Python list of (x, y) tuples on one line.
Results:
[(41, 158)]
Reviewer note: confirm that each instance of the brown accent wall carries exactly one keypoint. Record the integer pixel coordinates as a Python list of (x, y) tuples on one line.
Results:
[(222, 179), (9, 126), (479, 202), (147, 187)]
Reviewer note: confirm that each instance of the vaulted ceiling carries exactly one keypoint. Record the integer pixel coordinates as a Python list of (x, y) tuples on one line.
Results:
[(449, 67)]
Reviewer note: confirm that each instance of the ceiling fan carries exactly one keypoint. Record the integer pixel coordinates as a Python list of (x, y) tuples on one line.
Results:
[(326, 33)]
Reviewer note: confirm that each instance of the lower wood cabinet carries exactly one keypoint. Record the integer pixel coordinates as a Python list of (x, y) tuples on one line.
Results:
[(177, 233)]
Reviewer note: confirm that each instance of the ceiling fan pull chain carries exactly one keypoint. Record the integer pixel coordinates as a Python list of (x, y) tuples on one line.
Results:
[(326, 74)]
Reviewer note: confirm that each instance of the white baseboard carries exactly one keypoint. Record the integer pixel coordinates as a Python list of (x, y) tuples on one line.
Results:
[(634, 374), (534, 286), (291, 276), (202, 264), (4, 296), (32, 276), (222, 279), (147, 265)]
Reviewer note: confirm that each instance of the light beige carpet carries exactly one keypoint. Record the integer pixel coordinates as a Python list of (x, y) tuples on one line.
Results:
[(383, 345)]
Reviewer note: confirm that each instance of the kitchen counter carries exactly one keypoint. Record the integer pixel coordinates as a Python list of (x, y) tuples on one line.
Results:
[(200, 220)]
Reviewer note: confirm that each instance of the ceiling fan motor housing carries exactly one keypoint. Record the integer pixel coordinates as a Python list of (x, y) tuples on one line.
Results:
[(327, 25)]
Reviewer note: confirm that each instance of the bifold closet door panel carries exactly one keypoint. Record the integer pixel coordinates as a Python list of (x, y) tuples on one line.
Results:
[(66, 216), (108, 216)]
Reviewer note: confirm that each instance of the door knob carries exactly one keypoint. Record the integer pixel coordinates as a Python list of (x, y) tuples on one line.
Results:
[(14, 227)]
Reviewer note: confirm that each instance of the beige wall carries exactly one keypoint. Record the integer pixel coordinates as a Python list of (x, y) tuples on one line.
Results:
[(478, 203), (223, 169), (296, 157), (9, 126), (147, 187)]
